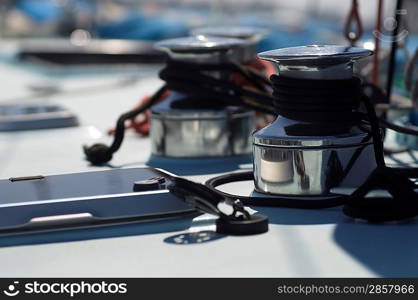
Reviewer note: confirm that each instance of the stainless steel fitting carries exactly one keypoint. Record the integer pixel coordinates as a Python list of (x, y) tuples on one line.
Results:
[(285, 164), (250, 35), (200, 132)]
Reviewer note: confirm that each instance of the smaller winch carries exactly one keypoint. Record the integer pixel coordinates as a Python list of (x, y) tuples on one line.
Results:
[(206, 105), (191, 122)]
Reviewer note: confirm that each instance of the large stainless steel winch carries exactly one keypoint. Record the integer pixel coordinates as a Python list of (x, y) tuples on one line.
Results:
[(200, 132), (311, 165)]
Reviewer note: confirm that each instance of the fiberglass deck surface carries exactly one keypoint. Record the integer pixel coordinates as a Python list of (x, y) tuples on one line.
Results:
[(300, 243)]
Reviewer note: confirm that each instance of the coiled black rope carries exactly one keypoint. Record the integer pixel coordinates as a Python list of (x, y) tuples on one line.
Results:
[(403, 202), (320, 104), (317, 101), (210, 85), (212, 82), (99, 154)]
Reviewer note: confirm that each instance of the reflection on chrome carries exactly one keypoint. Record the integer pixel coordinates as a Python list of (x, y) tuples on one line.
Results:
[(210, 133), (277, 166), (310, 171)]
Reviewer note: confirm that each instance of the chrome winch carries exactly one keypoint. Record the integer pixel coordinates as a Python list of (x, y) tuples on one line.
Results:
[(183, 128), (297, 158)]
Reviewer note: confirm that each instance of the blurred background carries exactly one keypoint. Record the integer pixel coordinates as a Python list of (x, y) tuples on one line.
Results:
[(292, 22)]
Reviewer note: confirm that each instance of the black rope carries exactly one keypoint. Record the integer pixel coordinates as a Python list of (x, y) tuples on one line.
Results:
[(197, 80), (204, 90), (377, 96), (398, 128), (276, 201)]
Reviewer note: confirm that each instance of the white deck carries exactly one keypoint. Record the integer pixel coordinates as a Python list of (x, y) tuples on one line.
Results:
[(300, 243)]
